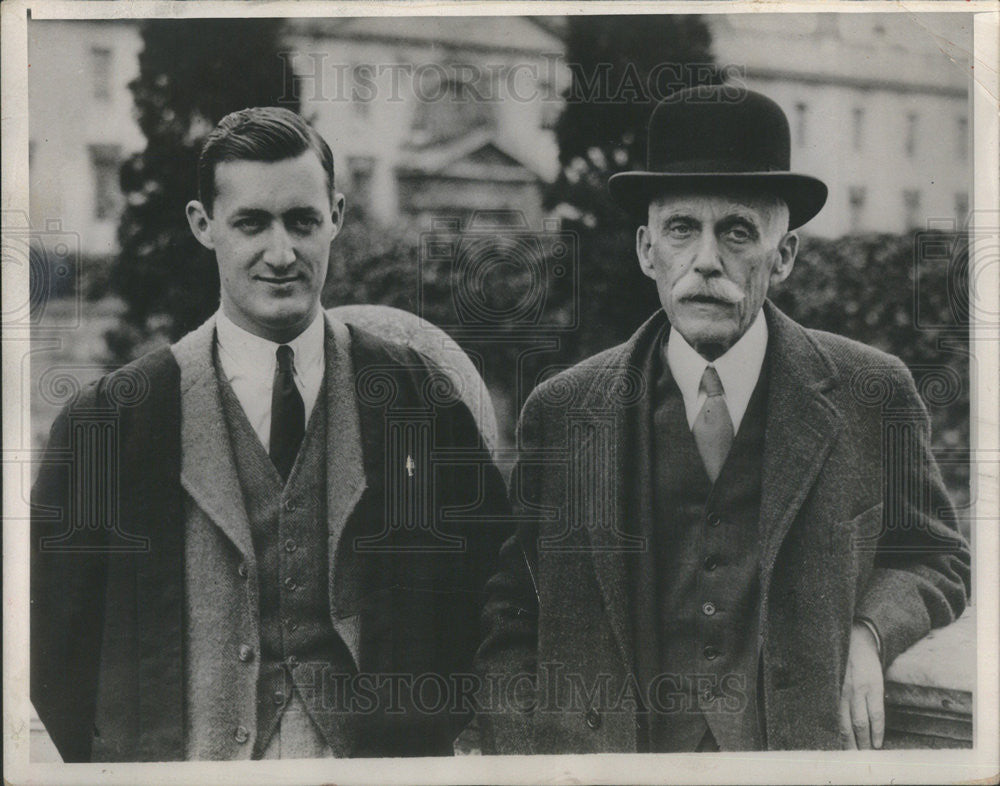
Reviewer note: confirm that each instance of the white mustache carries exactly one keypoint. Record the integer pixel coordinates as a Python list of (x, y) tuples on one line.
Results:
[(716, 288)]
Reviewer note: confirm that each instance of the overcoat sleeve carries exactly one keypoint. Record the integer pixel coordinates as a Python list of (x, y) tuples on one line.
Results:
[(507, 658), (68, 571), (921, 573)]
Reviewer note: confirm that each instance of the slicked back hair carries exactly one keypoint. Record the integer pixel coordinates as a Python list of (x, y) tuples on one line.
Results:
[(262, 133)]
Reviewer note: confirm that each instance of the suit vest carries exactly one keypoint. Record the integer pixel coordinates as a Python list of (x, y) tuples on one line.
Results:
[(300, 653), (703, 576)]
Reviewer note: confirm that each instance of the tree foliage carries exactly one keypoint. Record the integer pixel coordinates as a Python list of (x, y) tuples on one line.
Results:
[(192, 72), (906, 295)]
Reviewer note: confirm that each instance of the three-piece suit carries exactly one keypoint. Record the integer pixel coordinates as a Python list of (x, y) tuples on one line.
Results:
[(186, 603)]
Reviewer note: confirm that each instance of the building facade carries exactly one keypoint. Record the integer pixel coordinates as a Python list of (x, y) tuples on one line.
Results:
[(432, 117), (878, 108)]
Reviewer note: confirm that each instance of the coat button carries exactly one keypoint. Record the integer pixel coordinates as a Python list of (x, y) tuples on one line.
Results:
[(243, 570), (711, 563), (246, 653), (710, 652), (292, 661), (713, 519), (279, 697), (708, 609), (290, 545), (593, 719), (290, 506), (241, 735), (291, 624), (290, 584)]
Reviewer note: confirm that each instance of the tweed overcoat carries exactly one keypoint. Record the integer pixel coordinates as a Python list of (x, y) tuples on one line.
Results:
[(854, 522), (415, 513)]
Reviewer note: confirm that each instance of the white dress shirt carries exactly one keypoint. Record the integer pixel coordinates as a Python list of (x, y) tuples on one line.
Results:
[(248, 363), (738, 369)]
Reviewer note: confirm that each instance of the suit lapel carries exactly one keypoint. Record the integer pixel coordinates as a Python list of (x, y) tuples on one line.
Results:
[(802, 425), (617, 402), (345, 473), (208, 467)]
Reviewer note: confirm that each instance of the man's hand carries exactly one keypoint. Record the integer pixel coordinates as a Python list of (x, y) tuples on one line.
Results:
[(862, 700)]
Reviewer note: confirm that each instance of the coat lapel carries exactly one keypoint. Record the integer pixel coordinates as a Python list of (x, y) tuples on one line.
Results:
[(802, 425), (345, 473), (615, 404), (208, 467)]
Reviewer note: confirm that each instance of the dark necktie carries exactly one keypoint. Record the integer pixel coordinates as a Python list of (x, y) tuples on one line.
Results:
[(288, 414), (713, 428)]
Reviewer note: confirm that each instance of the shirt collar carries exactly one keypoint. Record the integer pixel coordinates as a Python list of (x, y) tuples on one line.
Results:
[(252, 352), (739, 369)]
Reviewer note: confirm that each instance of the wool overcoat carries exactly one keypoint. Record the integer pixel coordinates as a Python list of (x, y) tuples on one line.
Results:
[(854, 522)]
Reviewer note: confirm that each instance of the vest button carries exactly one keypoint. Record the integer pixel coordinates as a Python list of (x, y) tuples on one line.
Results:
[(711, 563), (710, 652), (593, 719), (713, 519), (290, 545), (246, 653), (290, 506), (241, 735), (292, 661), (708, 609), (279, 698), (243, 570), (290, 584)]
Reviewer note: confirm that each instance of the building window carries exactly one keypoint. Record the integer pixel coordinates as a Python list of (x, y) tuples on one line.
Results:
[(856, 196), (857, 127), (105, 161), (100, 72), (961, 207), (361, 169), (911, 135), (449, 108), (801, 111), (962, 138), (911, 204)]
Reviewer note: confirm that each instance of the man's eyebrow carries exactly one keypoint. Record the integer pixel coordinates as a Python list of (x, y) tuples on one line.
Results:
[(679, 215), (304, 210), (739, 217), (251, 212)]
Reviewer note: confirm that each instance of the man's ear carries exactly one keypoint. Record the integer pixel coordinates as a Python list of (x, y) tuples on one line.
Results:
[(197, 218), (788, 247), (337, 214), (643, 250)]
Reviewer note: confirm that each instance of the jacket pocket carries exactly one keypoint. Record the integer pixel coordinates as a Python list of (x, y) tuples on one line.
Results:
[(863, 531)]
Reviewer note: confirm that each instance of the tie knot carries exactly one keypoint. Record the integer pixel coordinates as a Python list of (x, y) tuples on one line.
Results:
[(711, 383), (285, 355)]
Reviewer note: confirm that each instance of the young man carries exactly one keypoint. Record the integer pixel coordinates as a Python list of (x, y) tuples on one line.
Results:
[(739, 536), (256, 551)]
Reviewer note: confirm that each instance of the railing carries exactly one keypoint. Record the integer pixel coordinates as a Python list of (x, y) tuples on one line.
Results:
[(929, 689)]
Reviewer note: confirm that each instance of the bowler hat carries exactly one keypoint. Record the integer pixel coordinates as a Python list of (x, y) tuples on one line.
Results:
[(719, 136)]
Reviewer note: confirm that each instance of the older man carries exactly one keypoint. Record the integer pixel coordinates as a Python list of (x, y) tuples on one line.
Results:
[(246, 545), (724, 542)]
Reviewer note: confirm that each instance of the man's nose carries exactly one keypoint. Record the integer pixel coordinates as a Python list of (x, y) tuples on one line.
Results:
[(280, 251), (707, 261)]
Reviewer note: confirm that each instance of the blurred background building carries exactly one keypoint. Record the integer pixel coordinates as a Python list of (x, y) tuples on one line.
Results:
[(426, 119)]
